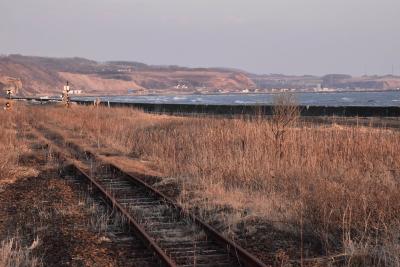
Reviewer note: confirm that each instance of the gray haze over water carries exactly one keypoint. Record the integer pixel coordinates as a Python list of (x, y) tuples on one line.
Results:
[(265, 36)]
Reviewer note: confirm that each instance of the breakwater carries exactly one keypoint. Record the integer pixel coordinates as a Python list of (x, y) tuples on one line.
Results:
[(228, 110), (344, 111)]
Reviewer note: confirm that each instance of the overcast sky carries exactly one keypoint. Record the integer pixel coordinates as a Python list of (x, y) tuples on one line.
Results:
[(261, 36)]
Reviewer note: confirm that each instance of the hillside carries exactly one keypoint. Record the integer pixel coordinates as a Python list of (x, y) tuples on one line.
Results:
[(27, 75), (40, 75)]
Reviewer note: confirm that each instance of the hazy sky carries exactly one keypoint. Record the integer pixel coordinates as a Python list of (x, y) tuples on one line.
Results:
[(265, 36)]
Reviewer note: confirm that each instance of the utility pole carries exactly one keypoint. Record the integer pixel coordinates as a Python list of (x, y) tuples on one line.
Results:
[(65, 96)]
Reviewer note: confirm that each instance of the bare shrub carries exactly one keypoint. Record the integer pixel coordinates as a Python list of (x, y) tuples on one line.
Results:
[(285, 112)]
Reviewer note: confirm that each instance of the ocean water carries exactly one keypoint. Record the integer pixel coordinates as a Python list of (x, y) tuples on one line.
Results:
[(391, 98)]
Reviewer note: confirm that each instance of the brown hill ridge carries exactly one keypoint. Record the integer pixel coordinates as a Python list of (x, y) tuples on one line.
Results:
[(27, 75), (40, 75)]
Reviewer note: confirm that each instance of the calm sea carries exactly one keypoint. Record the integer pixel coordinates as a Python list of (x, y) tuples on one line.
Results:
[(313, 99)]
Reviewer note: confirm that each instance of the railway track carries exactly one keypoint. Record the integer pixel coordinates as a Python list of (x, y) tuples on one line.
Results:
[(173, 235), (113, 226)]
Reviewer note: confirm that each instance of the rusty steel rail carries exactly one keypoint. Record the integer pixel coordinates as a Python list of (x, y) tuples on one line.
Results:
[(74, 164), (166, 261), (234, 249), (244, 258)]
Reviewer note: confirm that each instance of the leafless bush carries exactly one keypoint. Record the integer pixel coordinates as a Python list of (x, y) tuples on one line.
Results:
[(285, 113)]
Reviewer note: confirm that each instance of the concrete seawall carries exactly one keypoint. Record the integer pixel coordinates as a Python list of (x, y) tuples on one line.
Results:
[(341, 111)]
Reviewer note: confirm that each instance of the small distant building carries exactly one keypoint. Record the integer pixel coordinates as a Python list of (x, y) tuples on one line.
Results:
[(181, 86), (75, 92)]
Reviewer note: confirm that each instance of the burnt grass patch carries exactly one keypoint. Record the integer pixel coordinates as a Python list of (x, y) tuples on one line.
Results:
[(28, 210)]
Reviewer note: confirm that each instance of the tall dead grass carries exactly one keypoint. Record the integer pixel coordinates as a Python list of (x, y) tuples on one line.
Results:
[(338, 184), (13, 254), (11, 147)]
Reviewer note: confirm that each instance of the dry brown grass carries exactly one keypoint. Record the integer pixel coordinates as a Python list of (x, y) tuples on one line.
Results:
[(11, 147), (339, 184), (13, 254)]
